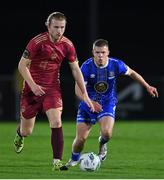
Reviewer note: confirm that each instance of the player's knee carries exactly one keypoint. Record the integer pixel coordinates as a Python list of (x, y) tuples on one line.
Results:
[(26, 132), (55, 124)]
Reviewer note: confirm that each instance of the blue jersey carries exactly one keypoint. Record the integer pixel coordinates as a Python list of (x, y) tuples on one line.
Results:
[(101, 86)]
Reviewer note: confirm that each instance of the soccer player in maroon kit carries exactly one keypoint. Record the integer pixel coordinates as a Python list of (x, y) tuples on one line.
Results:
[(40, 67)]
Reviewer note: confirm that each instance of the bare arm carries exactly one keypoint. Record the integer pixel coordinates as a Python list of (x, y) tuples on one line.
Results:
[(23, 68), (80, 82), (137, 77), (78, 92)]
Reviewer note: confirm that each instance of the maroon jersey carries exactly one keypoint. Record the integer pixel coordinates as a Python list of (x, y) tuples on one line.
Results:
[(46, 58)]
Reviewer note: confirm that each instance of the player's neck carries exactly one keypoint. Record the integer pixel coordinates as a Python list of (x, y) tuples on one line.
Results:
[(52, 39), (101, 66)]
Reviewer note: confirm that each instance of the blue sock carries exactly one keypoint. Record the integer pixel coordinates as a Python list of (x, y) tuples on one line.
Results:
[(103, 140), (75, 156)]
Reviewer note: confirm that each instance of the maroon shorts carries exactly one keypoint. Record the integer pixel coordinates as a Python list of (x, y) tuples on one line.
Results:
[(30, 104)]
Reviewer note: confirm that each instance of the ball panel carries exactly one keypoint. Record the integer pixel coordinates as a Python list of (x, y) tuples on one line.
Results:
[(89, 162)]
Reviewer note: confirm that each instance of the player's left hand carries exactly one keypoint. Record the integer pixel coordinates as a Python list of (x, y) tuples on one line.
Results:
[(97, 106), (152, 91)]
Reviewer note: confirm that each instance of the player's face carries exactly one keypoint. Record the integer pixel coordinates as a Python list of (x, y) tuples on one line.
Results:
[(56, 29), (100, 55)]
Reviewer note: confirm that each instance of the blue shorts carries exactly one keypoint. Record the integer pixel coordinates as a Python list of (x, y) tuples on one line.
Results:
[(84, 114)]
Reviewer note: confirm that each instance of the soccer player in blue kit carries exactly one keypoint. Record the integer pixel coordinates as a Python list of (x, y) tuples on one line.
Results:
[(100, 74)]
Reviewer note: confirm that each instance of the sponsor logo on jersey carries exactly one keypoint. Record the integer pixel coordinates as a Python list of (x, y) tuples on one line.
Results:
[(111, 73), (92, 76)]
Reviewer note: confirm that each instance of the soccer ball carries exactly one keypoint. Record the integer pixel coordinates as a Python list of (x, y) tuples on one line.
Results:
[(89, 162)]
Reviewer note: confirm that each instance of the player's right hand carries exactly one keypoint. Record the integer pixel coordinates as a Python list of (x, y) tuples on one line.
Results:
[(37, 90), (152, 91)]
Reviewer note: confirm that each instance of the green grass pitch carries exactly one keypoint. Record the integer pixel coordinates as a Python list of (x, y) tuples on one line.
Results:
[(136, 152)]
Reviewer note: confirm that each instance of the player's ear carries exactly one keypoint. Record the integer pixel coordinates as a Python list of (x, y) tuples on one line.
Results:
[(93, 52)]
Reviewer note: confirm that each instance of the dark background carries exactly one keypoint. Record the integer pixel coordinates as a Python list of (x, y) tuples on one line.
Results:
[(134, 29)]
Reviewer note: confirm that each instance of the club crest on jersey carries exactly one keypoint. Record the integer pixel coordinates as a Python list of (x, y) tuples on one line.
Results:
[(101, 87)]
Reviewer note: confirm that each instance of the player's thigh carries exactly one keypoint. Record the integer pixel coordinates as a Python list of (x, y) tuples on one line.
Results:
[(106, 125), (52, 100), (27, 125), (30, 105), (54, 117), (83, 130)]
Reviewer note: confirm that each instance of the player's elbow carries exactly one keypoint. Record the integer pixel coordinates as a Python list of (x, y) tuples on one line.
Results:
[(21, 65)]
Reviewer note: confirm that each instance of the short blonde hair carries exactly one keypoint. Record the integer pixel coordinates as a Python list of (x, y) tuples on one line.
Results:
[(55, 15)]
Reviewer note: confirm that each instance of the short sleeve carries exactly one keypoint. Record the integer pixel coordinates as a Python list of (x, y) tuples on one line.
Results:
[(71, 55), (122, 67), (32, 48), (84, 71)]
